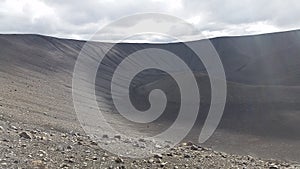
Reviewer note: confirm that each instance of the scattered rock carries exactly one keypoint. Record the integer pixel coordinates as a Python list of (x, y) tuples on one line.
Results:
[(187, 156), (94, 158), (5, 140), (163, 164), (169, 154), (25, 135), (117, 137), (94, 143), (158, 156), (273, 166), (135, 145), (158, 146), (13, 127), (119, 160), (4, 164), (150, 160), (37, 164), (84, 164), (194, 147), (142, 140), (64, 165), (69, 147)]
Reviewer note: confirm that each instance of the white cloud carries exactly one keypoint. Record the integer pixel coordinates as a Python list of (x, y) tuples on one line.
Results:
[(80, 19)]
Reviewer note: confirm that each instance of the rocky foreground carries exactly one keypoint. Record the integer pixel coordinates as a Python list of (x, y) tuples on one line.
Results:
[(27, 146)]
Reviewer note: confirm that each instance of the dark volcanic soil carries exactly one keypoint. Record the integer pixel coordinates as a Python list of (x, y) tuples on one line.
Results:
[(261, 116)]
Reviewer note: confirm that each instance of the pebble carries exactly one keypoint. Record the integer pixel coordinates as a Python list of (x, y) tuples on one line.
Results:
[(194, 147), (163, 164), (119, 160), (13, 127), (64, 165), (4, 164), (158, 146), (142, 140), (273, 167), (94, 143), (158, 156), (94, 158), (150, 160), (118, 137), (187, 156), (84, 164), (25, 135), (37, 163)]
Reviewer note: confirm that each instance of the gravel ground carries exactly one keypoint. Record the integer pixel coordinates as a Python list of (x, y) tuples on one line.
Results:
[(27, 146)]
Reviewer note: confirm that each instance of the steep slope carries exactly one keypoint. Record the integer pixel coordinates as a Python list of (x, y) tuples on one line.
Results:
[(261, 113)]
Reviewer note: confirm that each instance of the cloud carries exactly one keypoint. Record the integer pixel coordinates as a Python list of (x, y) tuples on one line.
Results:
[(81, 19)]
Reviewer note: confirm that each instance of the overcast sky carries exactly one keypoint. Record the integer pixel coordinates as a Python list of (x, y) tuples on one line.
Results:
[(80, 19)]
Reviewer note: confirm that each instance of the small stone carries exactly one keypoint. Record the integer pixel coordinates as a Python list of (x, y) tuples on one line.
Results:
[(42, 152), (105, 155), (13, 127), (167, 146), (119, 160), (105, 136), (94, 143), (189, 143), (3, 164), (25, 135), (69, 160), (5, 140), (64, 165), (94, 158), (135, 145), (163, 164), (142, 140), (175, 167), (1, 128), (118, 137), (158, 156), (150, 160), (158, 146), (37, 163), (169, 154), (84, 164), (69, 147), (194, 147), (187, 156), (273, 167)]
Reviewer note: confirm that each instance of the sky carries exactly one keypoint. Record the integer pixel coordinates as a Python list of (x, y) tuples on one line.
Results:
[(79, 19)]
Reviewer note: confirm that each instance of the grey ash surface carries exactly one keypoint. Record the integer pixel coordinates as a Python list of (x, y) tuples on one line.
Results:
[(261, 117)]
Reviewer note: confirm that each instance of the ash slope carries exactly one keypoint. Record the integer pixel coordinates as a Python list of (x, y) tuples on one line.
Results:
[(261, 113)]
